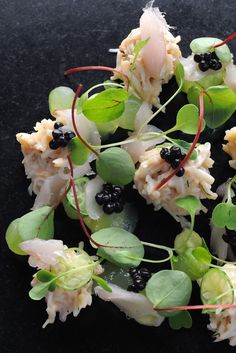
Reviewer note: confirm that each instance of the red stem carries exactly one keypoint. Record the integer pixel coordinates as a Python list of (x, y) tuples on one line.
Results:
[(77, 93), (98, 68), (232, 36), (199, 307), (196, 138)]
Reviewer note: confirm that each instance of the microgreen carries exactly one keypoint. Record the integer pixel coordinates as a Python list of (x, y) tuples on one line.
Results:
[(102, 283), (105, 106), (127, 119), (187, 239), (181, 320), (224, 214), (184, 146), (45, 276), (209, 44), (115, 166), (39, 291), (169, 288), (120, 245), (191, 204), (187, 119), (137, 49), (219, 104), (79, 152)]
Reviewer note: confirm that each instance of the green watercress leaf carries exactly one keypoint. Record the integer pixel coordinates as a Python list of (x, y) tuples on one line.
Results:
[(122, 245), (105, 106), (169, 288), (187, 239), (127, 119), (179, 74), (79, 152), (185, 147), (45, 276), (102, 283), (182, 320), (69, 200), (219, 104), (202, 255), (205, 44), (39, 291), (189, 203), (60, 98), (37, 223), (115, 166), (224, 215), (188, 119), (13, 238)]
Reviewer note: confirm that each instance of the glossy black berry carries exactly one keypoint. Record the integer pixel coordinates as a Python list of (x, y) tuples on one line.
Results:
[(107, 187), (133, 271), (57, 133), (99, 198), (169, 157), (164, 152), (139, 283), (62, 141), (180, 173), (69, 135), (197, 58), (106, 197), (175, 151), (54, 144), (117, 189), (57, 125), (214, 56), (144, 273), (207, 57), (109, 208), (175, 163), (203, 66)]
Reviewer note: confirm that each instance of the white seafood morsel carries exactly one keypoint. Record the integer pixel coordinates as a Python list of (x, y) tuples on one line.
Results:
[(43, 253), (196, 181), (230, 147), (135, 305), (93, 187), (230, 76), (49, 169), (67, 302), (223, 324), (156, 62)]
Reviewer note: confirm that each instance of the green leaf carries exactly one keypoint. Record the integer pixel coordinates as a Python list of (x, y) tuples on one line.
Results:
[(169, 288), (102, 283), (188, 119), (189, 203), (185, 147), (69, 200), (179, 74), (60, 98), (44, 276), (202, 255), (206, 44), (127, 119), (187, 239), (79, 152), (80, 102), (182, 320), (37, 223), (224, 215), (122, 244), (105, 106), (115, 166), (138, 47), (39, 291), (219, 104), (13, 238)]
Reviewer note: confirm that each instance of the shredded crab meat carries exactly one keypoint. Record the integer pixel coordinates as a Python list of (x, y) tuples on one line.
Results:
[(49, 169), (196, 180), (224, 323), (230, 146), (156, 62), (67, 302)]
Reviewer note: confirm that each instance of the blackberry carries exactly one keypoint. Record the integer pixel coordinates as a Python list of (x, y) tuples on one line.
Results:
[(139, 283), (197, 58), (133, 271), (175, 151), (164, 152), (109, 208), (207, 57), (54, 144), (180, 173), (99, 198), (175, 163), (117, 190), (61, 140), (215, 64), (203, 66), (56, 134), (57, 125)]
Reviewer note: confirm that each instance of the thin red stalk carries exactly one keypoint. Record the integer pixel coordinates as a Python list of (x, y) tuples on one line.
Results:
[(98, 68), (77, 93), (196, 138), (199, 307), (232, 36)]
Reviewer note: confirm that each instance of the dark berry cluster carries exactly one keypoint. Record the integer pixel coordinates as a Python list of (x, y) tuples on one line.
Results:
[(139, 277), (60, 138), (110, 198), (173, 156), (208, 61)]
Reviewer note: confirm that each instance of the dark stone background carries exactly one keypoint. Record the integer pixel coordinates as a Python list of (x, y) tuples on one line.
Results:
[(38, 40)]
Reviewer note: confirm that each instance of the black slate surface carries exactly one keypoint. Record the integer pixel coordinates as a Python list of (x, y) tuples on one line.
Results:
[(38, 40)]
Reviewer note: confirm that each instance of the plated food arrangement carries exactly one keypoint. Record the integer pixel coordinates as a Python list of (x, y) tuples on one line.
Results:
[(71, 160)]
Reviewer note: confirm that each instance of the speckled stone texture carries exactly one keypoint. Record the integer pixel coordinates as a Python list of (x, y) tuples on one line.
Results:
[(38, 40)]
